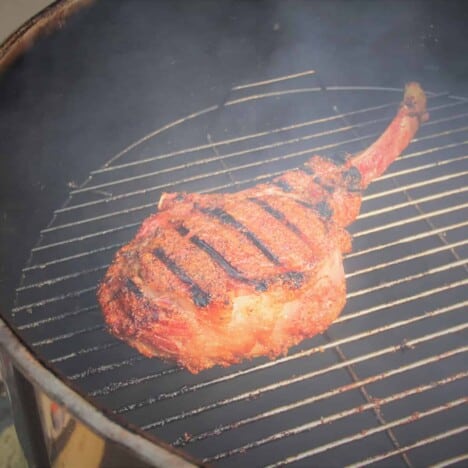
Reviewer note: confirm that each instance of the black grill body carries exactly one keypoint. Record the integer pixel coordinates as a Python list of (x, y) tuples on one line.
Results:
[(127, 102)]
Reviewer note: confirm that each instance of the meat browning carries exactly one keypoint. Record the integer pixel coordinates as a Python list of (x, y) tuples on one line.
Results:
[(215, 279)]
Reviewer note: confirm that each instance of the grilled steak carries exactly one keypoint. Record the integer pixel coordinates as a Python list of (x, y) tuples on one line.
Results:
[(216, 278)]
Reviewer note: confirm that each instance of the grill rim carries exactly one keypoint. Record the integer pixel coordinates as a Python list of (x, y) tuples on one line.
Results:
[(44, 22), (145, 446)]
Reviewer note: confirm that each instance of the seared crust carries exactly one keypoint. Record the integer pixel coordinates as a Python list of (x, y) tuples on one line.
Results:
[(217, 279)]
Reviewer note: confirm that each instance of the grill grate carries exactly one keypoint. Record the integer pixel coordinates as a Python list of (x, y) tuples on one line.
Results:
[(387, 378)]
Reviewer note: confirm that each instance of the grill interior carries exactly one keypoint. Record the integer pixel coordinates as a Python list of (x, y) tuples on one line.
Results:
[(386, 383)]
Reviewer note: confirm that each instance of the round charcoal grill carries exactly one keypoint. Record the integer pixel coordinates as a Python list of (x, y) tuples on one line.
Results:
[(386, 383)]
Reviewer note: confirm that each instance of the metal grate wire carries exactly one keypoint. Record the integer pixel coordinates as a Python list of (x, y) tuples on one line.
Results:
[(397, 354)]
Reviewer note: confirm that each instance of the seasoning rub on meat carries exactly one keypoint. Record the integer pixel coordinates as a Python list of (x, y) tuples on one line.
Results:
[(212, 279)]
